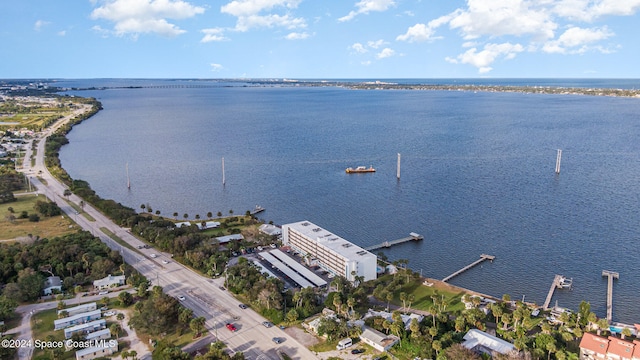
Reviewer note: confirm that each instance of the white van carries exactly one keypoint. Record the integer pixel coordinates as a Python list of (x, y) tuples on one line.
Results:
[(344, 343)]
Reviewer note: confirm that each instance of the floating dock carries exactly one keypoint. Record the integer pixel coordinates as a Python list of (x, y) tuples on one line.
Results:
[(412, 237), (256, 210), (483, 257), (611, 275)]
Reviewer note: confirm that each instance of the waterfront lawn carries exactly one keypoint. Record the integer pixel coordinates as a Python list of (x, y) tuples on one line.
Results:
[(423, 294), (47, 227)]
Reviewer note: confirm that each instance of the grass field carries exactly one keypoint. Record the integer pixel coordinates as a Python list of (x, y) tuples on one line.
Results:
[(45, 228)]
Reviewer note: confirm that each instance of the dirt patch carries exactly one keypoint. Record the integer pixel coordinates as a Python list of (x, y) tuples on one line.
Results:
[(302, 336)]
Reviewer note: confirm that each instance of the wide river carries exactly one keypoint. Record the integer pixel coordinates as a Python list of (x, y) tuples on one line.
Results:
[(477, 174)]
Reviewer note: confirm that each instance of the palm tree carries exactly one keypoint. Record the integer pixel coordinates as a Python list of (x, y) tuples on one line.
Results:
[(231, 212), (437, 346), (219, 214), (175, 215), (185, 216), (115, 329), (403, 298), (143, 206), (209, 215), (158, 212)]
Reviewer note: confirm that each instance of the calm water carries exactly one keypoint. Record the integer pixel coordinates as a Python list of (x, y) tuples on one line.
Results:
[(477, 174)]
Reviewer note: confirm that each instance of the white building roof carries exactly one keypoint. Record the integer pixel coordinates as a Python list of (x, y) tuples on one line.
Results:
[(226, 239), (334, 242), (68, 319), (107, 281), (108, 345), (270, 229), (476, 337), (82, 308), (406, 318)]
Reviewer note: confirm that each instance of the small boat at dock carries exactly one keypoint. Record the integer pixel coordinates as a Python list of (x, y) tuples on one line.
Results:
[(360, 169), (565, 283)]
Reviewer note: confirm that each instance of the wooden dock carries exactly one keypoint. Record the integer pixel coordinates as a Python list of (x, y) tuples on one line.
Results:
[(386, 244), (611, 275), (556, 284), (483, 257)]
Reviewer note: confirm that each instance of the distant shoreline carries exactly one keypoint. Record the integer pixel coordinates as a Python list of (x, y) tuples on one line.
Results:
[(382, 85)]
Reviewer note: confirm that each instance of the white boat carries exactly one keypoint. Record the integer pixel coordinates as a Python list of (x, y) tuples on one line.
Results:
[(565, 283)]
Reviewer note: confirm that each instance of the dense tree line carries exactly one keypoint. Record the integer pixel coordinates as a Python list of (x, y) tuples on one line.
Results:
[(160, 313), (76, 258), (10, 181)]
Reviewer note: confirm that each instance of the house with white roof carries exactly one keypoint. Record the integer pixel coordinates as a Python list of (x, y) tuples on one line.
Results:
[(85, 328), (378, 340), (79, 309), (406, 318), (106, 349), (76, 319), (51, 284), (481, 342), (109, 281)]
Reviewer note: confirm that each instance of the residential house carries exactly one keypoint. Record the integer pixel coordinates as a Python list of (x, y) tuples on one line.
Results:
[(52, 284), (378, 340), (481, 342), (109, 281), (76, 319), (107, 349), (79, 309), (85, 328)]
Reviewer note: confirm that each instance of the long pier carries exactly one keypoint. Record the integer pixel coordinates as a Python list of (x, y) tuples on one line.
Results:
[(610, 275), (483, 257), (256, 210), (412, 237), (556, 284)]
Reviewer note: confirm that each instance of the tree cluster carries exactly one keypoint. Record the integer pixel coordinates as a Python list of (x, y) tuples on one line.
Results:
[(77, 258), (160, 313)]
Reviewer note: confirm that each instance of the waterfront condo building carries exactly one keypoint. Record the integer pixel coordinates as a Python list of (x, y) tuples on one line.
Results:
[(330, 251)]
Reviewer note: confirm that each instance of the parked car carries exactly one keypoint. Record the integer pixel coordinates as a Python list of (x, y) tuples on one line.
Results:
[(153, 255), (243, 306), (357, 351), (231, 327), (277, 340), (103, 292), (267, 324), (181, 298)]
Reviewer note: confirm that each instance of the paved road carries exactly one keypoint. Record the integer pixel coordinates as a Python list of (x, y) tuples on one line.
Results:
[(202, 295)]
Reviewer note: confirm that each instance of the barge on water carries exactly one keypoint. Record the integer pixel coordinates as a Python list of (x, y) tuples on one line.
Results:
[(360, 169)]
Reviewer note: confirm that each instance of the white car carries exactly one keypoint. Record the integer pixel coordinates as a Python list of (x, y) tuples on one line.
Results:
[(165, 262), (153, 255), (181, 298)]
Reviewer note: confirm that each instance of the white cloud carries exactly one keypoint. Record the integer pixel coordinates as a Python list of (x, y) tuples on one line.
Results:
[(213, 35), (416, 33), (216, 67), (590, 10), (297, 36), (249, 14), (40, 24), (62, 33), (359, 48), (145, 16), (367, 6), (577, 40), (504, 17), (385, 53), (484, 58), (376, 44)]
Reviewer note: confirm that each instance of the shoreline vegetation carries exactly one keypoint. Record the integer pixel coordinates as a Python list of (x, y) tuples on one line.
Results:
[(382, 85)]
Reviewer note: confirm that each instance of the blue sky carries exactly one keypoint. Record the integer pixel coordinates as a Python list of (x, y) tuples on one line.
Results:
[(373, 39)]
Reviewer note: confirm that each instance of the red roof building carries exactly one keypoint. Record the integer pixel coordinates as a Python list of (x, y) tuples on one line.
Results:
[(619, 349), (593, 347), (636, 350)]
